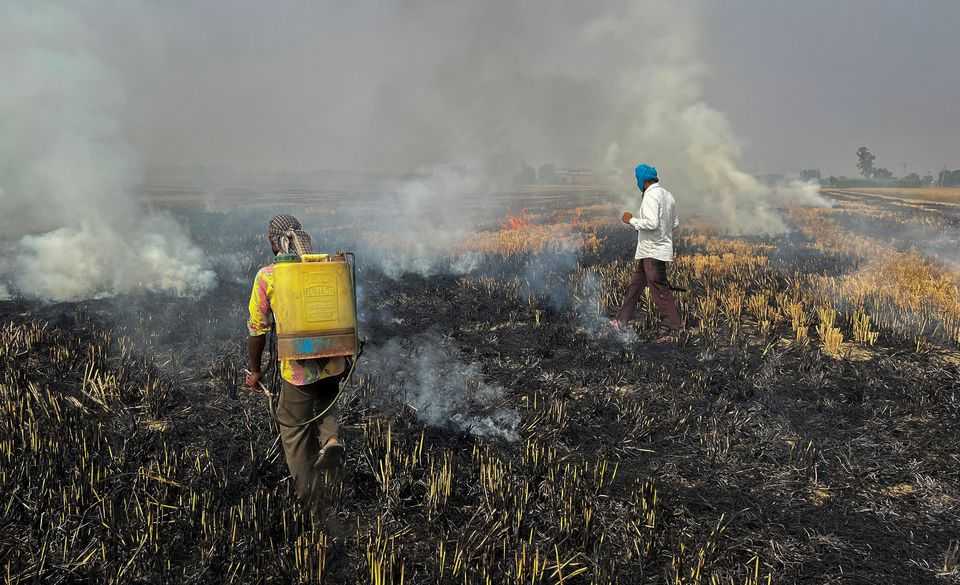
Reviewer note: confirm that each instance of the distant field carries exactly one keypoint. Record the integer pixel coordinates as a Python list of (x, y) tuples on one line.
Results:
[(941, 194), (233, 197)]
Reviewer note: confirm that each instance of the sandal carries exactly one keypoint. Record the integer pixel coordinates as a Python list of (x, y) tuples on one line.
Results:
[(332, 456)]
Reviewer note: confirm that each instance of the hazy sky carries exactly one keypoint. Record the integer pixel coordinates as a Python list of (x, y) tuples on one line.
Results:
[(94, 92), (337, 84), (806, 83)]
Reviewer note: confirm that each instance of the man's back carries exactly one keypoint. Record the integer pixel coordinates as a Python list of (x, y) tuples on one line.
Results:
[(655, 224), (261, 306)]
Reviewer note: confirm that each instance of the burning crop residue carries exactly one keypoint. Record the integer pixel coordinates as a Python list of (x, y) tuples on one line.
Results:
[(517, 222), (496, 432), (530, 233)]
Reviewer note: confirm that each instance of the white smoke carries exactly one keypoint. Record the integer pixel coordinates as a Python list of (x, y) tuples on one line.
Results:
[(426, 373), (424, 225), (67, 173), (604, 85), (587, 292), (468, 91), (667, 122), (76, 263)]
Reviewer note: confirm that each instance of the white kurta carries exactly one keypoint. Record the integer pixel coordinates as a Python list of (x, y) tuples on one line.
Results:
[(655, 224)]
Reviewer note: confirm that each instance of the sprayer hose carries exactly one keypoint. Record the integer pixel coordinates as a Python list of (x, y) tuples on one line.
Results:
[(273, 410), (276, 381)]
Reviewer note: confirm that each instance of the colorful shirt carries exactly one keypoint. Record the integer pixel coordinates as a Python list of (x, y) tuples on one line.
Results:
[(297, 372)]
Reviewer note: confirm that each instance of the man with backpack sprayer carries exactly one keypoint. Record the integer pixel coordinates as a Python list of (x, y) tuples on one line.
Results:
[(310, 298)]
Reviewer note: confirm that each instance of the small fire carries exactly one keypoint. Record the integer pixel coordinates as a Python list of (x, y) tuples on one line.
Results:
[(577, 217), (518, 222)]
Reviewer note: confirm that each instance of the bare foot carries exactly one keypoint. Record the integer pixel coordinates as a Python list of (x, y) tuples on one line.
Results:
[(617, 325)]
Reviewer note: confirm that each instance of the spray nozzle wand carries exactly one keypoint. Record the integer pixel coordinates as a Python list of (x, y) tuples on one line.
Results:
[(260, 385)]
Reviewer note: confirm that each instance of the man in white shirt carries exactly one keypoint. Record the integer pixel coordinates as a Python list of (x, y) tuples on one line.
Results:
[(654, 225)]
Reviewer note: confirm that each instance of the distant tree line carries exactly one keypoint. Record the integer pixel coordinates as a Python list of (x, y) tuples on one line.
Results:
[(949, 178), (874, 176)]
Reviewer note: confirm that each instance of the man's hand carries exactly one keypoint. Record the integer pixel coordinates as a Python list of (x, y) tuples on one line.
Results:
[(255, 345), (252, 379), (627, 216)]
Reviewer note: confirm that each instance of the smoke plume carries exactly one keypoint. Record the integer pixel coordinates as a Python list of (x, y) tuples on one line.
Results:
[(668, 122), (426, 373), (427, 219), (448, 99), (462, 93), (67, 173)]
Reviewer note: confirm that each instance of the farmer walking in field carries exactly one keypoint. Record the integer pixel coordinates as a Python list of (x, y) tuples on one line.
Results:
[(654, 224), (306, 412)]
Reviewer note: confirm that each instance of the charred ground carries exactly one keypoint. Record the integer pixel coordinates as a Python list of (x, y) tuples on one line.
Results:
[(753, 447)]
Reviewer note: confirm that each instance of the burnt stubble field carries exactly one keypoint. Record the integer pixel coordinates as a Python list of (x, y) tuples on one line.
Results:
[(804, 429)]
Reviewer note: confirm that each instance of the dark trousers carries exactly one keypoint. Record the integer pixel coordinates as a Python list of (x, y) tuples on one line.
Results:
[(302, 443), (653, 273)]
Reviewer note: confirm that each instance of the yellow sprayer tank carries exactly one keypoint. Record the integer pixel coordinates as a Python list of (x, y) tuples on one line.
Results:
[(314, 307)]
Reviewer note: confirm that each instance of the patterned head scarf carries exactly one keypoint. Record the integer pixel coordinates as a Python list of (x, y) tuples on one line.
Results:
[(287, 235)]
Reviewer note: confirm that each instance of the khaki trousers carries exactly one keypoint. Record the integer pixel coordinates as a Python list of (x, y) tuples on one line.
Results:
[(302, 444)]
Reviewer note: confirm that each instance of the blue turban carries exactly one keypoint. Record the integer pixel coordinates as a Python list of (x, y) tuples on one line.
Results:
[(645, 173)]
